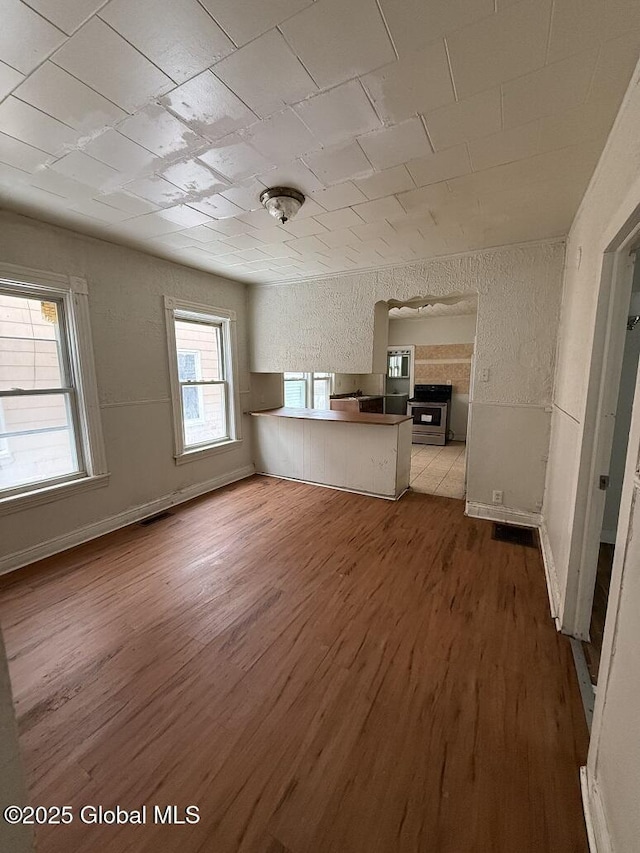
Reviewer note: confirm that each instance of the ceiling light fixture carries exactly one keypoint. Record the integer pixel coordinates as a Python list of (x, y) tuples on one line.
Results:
[(282, 202)]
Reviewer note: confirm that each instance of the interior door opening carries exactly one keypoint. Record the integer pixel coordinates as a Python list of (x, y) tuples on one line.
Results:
[(612, 481)]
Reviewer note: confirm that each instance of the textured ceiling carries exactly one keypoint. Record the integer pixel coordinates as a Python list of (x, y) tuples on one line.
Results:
[(415, 127)]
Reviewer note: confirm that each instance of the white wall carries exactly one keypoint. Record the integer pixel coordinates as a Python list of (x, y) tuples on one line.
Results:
[(126, 290), (428, 331), (433, 330), (614, 758), (328, 324), (17, 839)]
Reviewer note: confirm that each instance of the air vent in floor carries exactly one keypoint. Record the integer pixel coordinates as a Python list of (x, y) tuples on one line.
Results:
[(155, 518), (516, 535)]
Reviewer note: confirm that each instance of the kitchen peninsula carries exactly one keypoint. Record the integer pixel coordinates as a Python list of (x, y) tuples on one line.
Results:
[(356, 451)]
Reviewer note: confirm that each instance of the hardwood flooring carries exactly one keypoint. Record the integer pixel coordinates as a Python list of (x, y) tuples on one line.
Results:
[(317, 671), (593, 649)]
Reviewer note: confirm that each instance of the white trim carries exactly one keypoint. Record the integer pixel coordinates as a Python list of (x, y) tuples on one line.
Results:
[(608, 536), (492, 512), (122, 519), (551, 574), (597, 830), (210, 450), (48, 494)]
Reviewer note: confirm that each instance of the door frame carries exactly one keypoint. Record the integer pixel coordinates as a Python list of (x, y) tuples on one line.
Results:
[(599, 423)]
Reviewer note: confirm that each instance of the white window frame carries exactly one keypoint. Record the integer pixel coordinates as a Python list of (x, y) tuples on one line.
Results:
[(176, 309), (197, 388), (72, 292), (308, 379)]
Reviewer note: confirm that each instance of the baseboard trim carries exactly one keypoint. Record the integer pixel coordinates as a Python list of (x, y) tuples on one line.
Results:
[(92, 531), (335, 488), (553, 587), (490, 512), (597, 830)]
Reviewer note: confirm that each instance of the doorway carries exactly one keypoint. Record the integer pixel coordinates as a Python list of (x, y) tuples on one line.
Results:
[(441, 335), (613, 483)]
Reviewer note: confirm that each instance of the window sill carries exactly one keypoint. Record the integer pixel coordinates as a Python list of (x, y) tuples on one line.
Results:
[(209, 450), (49, 494)]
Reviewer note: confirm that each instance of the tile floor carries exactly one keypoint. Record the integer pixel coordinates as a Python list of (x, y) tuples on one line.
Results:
[(438, 470)]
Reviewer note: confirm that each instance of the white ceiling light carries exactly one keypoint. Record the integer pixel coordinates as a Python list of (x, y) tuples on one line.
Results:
[(282, 202)]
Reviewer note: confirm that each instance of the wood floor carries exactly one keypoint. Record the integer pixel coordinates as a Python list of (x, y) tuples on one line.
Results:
[(317, 671), (593, 649)]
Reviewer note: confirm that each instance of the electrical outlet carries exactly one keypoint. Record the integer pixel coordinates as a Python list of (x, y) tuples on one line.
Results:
[(497, 496), (484, 374)]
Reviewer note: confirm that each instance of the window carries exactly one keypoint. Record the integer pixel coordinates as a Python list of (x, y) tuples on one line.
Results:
[(307, 390), (201, 348), (49, 432)]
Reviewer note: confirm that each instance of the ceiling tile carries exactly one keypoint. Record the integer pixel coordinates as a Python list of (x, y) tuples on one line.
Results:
[(217, 206), (28, 124), (588, 121), (341, 195), (338, 239), (615, 66), (183, 215), (409, 20), (150, 225), (373, 230), (339, 114), (281, 137), (309, 208), (387, 182), (81, 167), (58, 184), (203, 234), (54, 91), (176, 240), (281, 250), (383, 208), (266, 74), (258, 218), (336, 219), (234, 158), (9, 79), (418, 82), (550, 90), (105, 61), (339, 163), (241, 241), (245, 195), (295, 175), (26, 39), (229, 227), (103, 212), (20, 155), (500, 47), (207, 104), (192, 176), (68, 15), (439, 166), (128, 203), (158, 131), (337, 41), (304, 227), (394, 145), (420, 201), (505, 147), (576, 25), (251, 255), (243, 20), (177, 35), (157, 190), (306, 244), (473, 118), (272, 235), (120, 153)]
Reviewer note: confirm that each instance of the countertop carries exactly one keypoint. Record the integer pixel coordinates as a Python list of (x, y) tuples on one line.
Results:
[(347, 417)]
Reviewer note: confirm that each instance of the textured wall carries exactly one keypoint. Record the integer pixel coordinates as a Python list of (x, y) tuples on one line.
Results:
[(612, 198), (126, 290), (329, 325)]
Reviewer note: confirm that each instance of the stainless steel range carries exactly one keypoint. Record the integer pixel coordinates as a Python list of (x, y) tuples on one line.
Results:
[(430, 409)]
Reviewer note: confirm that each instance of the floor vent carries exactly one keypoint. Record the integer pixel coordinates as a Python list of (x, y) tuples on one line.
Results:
[(155, 518), (516, 535)]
